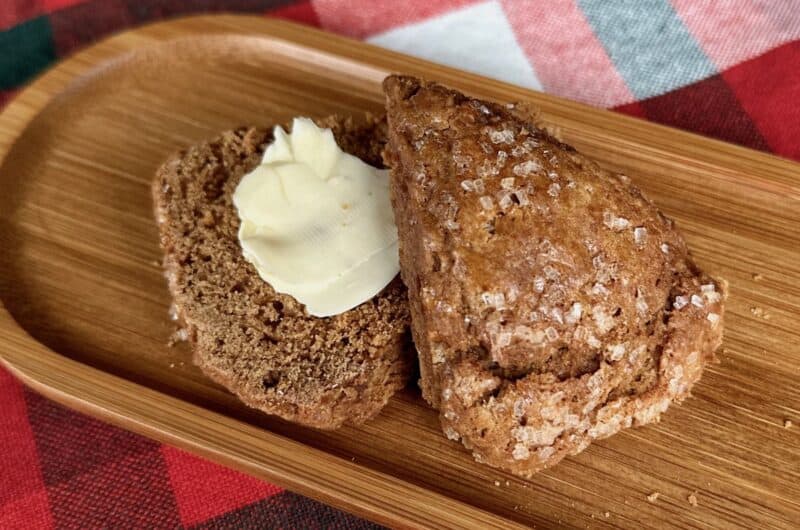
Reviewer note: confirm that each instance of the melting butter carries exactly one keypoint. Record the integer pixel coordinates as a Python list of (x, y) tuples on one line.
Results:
[(317, 222)]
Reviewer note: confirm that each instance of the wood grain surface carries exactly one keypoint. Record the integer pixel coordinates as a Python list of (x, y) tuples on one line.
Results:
[(85, 304)]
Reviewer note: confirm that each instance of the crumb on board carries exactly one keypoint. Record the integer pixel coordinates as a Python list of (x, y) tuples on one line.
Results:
[(497, 483), (180, 335), (653, 497), (607, 515), (692, 499), (759, 312), (787, 424), (757, 276), (172, 365), (508, 483)]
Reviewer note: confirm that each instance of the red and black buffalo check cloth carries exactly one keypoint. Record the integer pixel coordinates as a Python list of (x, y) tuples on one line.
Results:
[(728, 69)]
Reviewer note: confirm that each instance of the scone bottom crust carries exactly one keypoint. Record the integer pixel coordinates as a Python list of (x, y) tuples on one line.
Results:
[(552, 303), (260, 344)]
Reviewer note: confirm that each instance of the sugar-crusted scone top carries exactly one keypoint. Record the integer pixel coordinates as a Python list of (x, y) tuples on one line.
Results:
[(552, 303)]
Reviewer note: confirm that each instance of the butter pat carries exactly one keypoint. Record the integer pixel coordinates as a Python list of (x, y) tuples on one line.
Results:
[(317, 222)]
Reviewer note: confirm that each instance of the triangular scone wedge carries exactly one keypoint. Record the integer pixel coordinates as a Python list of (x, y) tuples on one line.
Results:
[(551, 302)]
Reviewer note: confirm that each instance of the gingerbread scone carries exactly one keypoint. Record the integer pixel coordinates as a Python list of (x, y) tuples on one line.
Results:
[(259, 343), (552, 303)]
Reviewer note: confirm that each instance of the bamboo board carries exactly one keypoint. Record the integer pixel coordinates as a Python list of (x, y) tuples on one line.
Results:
[(84, 305)]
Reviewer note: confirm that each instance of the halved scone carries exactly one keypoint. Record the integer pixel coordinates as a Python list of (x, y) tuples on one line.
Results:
[(260, 344)]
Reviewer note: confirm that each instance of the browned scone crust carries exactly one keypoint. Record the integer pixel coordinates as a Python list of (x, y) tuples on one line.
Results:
[(542, 288), (262, 345)]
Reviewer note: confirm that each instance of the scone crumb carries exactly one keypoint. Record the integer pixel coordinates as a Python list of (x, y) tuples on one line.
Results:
[(757, 276), (759, 312), (497, 483), (607, 515), (693, 499), (521, 452), (180, 335), (787, 424), (653, 497)]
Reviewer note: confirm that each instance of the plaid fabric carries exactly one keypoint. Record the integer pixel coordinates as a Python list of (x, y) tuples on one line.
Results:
[(727, 69)]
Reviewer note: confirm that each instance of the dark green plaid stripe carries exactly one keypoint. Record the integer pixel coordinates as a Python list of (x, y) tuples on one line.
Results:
[(25, 50)]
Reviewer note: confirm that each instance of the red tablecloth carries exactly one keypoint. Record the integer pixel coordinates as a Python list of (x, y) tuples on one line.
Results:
[(725, 69)]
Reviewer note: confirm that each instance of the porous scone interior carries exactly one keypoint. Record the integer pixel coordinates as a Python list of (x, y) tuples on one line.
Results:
[(261, 344), (552, 303)]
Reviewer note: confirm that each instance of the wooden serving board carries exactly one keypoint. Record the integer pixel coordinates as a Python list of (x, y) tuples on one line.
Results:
[(84, 304)]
